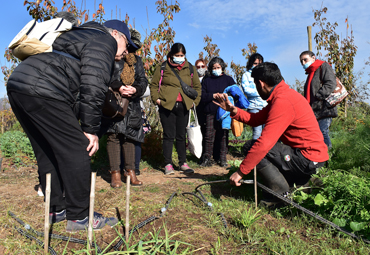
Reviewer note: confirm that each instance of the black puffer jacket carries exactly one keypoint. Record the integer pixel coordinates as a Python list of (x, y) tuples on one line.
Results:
[(322, 85), (58, 77), (131, 124)]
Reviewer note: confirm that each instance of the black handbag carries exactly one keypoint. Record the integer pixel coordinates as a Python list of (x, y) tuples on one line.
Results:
[(114, 104), (189, 91)]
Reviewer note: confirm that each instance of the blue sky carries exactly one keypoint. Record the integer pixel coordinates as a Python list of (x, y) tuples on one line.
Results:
[(278, 27)]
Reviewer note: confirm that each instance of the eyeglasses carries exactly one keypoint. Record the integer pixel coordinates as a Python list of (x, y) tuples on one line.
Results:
[(201, 66)]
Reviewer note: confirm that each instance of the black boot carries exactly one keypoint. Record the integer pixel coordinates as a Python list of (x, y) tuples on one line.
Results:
[(206, 162), (274, 180)]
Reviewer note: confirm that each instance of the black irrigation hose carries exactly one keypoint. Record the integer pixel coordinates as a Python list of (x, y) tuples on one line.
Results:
[(318, 217), (223, 220), (143, 223), (54, 236), (195, 195), (164, 209), (27, 235), (134, 229), (211, 182)]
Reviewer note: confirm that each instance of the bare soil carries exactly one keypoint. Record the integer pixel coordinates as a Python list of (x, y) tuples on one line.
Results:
[(18, 194)]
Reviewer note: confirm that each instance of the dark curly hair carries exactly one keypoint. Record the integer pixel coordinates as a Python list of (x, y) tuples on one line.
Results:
[(216, 60)]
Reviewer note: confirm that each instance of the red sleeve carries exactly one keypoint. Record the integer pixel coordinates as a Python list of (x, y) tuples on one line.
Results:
[(279, 115), (252, 119)]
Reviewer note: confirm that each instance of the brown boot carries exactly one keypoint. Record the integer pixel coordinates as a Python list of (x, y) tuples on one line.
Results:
[(115, 179), (133, 179)]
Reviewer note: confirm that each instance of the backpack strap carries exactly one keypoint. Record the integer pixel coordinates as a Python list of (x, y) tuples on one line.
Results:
[(191, 68), (163, 66)]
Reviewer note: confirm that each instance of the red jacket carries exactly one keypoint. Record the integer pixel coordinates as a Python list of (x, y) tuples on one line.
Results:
[(287, 117)]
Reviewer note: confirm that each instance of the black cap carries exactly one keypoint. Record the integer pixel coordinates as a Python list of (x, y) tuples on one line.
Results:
[(121, 27)]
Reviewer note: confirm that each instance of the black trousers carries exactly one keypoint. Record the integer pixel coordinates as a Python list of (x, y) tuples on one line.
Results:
[(174, 124), (60, 149), (215, 139), (291, 163)]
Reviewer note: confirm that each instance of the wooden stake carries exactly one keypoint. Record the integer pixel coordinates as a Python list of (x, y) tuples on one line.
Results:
[(47, 211), (91, 210), (127, 223), (255, 186), (309, 32)]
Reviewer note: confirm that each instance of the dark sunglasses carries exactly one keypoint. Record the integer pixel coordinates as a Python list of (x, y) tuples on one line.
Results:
[(202, 66)]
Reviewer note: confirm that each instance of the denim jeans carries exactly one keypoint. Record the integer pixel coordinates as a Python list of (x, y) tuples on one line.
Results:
[(256, 130), (324, 125)]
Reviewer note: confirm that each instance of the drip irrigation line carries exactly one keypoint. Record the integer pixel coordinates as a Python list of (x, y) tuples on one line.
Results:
[(211, 182), (316, 216), (54, 236), (164, 209), (224, 222), (195, 195), (27, 235), (134, 229)]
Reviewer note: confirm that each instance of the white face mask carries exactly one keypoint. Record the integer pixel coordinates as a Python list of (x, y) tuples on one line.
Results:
[(201, 71), (217, 72), (178, 60)]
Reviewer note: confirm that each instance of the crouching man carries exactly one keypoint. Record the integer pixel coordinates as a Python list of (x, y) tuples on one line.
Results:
[(287, 117)]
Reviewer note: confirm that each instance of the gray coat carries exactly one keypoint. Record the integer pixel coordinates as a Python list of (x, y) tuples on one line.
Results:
[(322, 85)]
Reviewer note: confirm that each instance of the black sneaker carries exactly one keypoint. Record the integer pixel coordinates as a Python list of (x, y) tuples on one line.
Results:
[(55, 217), (98, 223), (137, 171)]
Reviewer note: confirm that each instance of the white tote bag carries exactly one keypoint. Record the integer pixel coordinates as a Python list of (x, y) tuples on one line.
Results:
[(194, 135)]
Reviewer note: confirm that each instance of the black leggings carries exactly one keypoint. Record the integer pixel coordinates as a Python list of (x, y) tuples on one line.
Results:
[(174, 124)]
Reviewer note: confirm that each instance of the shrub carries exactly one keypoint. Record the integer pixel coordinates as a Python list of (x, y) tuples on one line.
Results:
[(16, 146), (343, 199)]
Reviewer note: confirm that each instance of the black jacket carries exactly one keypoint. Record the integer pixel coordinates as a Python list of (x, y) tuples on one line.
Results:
[(131, 125), (80, 80), (322, 85)]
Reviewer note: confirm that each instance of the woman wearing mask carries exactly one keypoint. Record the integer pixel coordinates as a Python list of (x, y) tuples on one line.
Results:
[(201, 66), (250, 91), (174, 105), (214, 136)]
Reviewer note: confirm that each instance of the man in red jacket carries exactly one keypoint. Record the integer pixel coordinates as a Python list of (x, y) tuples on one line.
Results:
[(287, 117)]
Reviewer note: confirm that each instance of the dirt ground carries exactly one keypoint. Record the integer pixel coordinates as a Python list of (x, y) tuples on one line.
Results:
[(18, 194)]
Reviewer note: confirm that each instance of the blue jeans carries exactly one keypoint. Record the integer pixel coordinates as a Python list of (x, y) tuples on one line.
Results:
[(324, 125), (256, 130)]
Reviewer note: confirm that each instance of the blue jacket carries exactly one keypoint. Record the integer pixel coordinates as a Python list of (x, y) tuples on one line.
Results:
[(240, 101), (250, 91)]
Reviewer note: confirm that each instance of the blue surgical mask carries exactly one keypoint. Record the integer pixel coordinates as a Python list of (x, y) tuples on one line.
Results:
[(178, 60), (307, 65), (217, 72)]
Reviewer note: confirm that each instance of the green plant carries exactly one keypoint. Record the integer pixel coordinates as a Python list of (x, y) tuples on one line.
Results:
[(16, 146), (248, 217), (342, 199)]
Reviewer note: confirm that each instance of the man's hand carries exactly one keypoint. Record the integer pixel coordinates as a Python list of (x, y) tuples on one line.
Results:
[(235, 178), (127, 91), (222, 101), (94, 143), (158, 102)]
